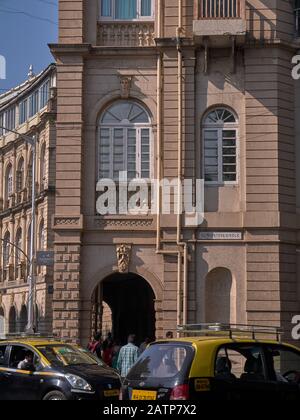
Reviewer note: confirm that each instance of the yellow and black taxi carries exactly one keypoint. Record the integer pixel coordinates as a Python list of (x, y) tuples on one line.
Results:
[(217, 363), (44, 369)]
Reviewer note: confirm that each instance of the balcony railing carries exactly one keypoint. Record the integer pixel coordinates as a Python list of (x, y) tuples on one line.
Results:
[(220, 22), (220, 9), (128, 34)]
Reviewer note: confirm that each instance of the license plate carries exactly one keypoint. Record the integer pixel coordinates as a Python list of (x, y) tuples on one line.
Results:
[(112, 393), (143, 395)]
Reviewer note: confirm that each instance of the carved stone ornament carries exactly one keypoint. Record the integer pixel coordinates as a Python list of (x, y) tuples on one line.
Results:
[(123, 257), (125, 82)]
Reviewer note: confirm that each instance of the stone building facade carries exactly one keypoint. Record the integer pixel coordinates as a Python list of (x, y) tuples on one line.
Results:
[(28, 109), (184, 89)]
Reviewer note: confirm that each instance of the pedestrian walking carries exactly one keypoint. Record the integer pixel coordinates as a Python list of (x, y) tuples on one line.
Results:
[(107, 352), (128, 356), (116, 351), (93, 343)]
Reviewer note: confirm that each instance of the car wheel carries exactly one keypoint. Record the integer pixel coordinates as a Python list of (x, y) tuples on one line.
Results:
[(54, 396)]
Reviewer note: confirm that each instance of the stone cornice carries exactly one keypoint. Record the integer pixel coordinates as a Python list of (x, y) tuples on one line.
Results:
[(67, 222)]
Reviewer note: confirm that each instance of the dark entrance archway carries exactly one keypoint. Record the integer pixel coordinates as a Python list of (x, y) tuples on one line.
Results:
[(12, 320), (23, 319), (131, 300)]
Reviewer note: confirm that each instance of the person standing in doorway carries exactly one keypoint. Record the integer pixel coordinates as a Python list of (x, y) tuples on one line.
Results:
[(128, 356)]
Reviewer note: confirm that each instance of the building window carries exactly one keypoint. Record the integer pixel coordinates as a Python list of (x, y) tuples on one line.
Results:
[(126, 9), (297, 17), (212, 9), (20, 175), (6, 249), (43, 167), (1, 124), (19, 247), (220, 131), (44, 94), (29, 240), (33, 104), (125, 142), (23, 111), (29, 174), (8, 182), (9, 120), (42, 237)]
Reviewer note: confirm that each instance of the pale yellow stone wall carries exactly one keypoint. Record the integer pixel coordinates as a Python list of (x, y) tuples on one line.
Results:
[(261, 205)]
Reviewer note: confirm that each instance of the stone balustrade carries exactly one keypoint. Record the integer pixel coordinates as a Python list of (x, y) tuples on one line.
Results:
[(129, 34)]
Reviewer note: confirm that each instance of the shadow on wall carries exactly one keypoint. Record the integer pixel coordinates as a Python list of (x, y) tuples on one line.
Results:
[(259, 25)]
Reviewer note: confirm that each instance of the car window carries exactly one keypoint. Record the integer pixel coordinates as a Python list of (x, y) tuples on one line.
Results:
[(162, 361), (243, 362), (66, 355), (284, 364), (22, 358), (2, 354)]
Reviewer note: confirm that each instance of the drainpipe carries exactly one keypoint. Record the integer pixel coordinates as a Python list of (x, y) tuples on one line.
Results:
[(182, 246), (179, 241)]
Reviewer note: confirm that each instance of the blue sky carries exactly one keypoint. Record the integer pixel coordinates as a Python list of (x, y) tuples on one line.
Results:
[(26, 27)]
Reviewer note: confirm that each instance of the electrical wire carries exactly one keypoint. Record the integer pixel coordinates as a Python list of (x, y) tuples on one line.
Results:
[(11, 10)]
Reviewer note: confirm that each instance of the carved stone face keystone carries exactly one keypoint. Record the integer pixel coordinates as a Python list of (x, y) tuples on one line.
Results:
[(125, 85)]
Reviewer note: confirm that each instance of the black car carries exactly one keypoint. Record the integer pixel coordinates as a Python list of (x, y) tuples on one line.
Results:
[(32, 369)]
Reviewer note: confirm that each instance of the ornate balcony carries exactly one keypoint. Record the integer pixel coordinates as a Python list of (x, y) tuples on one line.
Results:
[(219, 21), (125, 34)]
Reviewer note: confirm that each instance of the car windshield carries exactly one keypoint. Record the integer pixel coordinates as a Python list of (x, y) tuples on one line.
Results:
[(67, 355), (162, 361)]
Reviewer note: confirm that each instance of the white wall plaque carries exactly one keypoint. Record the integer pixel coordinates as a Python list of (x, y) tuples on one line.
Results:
[(226, 236)]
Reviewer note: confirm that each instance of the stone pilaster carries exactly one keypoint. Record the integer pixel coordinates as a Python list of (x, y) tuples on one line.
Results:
[(66, 298)]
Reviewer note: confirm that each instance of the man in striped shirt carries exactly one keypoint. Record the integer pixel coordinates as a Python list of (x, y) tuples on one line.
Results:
[(128, 356)]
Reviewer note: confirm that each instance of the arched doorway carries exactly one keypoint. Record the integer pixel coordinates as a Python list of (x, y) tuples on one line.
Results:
[(131, 301), (220, 296), (12, 320), (2, 323), (23, 319)]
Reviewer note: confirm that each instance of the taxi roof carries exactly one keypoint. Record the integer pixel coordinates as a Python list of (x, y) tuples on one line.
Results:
[(199, 341), (31, 341)]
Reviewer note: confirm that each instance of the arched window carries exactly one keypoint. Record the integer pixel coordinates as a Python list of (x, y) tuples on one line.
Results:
[(28, 239), (43, 166), (124, 142), (8, 182), (19, 247), (220, 132), (6, 250), (20, 175), (42, 237), (29, 174)]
